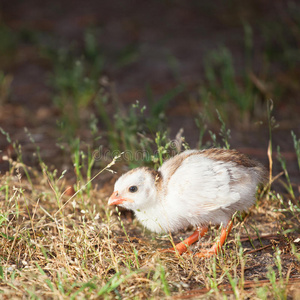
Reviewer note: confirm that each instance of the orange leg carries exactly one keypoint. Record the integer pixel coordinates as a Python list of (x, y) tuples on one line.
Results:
[(218, 245), (182, 246)]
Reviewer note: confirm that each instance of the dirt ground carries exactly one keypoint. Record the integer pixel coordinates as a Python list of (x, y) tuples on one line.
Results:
[(157, 31)]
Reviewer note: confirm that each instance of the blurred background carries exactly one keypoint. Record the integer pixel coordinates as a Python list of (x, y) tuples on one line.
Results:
[(129, 75)]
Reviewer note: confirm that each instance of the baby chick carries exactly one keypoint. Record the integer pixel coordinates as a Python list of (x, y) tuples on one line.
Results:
[(192, 188)]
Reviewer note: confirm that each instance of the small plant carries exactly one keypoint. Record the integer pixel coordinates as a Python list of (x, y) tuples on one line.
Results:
[(202, 126), (271, 125), (165, 148), (113, 283), (75, 80), (223, 88), (93, 55), (160, 281), (279, 288), (137, 264), (55, 182), (162, 148), (287, 185), (5, 83), (74, 92), (281, 38), (8, 39), (126, 127), (234, 285), (224, 133), (288, 207), (158, 106), (297, 147)]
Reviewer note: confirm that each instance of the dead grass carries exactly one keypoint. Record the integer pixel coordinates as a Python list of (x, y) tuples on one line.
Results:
[(86, 250)]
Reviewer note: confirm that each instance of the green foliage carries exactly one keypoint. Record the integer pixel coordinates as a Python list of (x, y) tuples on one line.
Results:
[(93, 55), (5, 83), (79, 87), (222, 86), (74, 92), (279, 289), (201, 123), (75, 80), (113, 283), (287, 185), (297, 147), (8, 39), (166, 148), (282, 37), (224, 132), (126, 126), (160, 274), (162, 149), (158, 107)]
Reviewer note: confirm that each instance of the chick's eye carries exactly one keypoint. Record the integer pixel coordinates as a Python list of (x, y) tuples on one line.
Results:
[(133, 189)]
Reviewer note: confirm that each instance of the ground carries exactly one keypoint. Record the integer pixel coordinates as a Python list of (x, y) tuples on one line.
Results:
[(70, 76)]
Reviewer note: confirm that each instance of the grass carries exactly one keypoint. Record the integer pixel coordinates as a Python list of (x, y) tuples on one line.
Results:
[(60, 246), (59, 239), (225, 90)]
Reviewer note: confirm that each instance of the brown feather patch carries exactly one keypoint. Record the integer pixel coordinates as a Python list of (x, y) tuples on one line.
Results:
[(157, 176), (217, 154), (237, 158), (229, 156)]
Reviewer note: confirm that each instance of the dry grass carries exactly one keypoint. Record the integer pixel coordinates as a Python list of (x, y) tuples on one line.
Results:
[(85, 250)]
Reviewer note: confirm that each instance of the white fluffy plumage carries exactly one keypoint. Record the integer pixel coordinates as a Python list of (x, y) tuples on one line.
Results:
[(192, 188)]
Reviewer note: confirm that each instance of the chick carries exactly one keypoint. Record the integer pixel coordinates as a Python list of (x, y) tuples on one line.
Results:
[(195, 188)]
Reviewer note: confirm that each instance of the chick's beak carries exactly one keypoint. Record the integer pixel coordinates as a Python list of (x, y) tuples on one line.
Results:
[(116, 199)]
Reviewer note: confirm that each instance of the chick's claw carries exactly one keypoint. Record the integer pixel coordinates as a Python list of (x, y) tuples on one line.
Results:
[(205, 253), (180, 250), (217, 247), (183, 246)]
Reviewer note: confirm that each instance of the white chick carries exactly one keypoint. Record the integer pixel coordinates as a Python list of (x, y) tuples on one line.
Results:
[(193, 188)]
